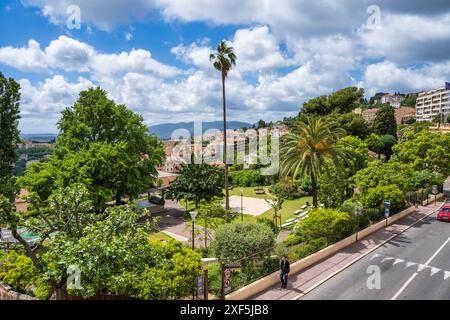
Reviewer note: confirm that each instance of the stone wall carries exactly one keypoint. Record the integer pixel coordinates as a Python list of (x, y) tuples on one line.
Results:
[(6, 293)]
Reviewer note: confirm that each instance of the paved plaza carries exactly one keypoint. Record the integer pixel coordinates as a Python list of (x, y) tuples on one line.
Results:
[(252, 206)]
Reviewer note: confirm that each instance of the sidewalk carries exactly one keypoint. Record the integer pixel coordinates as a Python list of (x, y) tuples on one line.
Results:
[(312, 276)]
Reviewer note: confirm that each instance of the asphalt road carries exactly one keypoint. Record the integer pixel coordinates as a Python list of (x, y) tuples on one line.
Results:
[(414, 265)]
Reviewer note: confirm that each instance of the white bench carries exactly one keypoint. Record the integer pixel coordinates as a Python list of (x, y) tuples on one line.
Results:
[(284, 225)]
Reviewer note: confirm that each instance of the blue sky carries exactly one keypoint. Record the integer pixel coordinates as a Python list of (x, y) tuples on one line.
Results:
[(153, 54)]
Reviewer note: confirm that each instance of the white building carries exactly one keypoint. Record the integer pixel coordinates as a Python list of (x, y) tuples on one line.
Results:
[(395, 100), (431, 103)]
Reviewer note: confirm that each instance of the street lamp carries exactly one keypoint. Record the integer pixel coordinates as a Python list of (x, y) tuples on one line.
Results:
[(358, 213), (193, 216), (242, 206)]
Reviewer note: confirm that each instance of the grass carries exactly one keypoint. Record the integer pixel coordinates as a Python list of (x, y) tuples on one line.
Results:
[(159, 236), (287, 210), (250, 192)]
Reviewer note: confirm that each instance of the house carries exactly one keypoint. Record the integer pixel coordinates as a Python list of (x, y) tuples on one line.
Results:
[(404, 113), (369, 115)]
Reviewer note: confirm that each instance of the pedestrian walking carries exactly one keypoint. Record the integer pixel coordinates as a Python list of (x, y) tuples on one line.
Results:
[(284, 271)]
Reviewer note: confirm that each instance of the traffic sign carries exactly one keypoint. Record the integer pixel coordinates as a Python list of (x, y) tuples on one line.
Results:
[(387, 206), (435, 189)]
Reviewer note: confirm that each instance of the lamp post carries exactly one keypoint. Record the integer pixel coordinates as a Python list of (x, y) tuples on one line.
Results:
[(193, 216), (358, 213), (242, 206)]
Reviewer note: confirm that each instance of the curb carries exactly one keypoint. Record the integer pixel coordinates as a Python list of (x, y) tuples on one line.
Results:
[(362, 256)]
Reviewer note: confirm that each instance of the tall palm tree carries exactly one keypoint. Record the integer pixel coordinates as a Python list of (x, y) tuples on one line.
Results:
[(223, 60), (305, 149)]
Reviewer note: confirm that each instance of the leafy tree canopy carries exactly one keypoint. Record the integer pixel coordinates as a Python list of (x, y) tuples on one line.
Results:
[(425, 150), (197, 182), (9, 133), (342, 101), (102, 145), (384, 122)]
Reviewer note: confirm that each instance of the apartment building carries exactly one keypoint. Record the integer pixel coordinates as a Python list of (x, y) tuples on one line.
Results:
[(434, 102)]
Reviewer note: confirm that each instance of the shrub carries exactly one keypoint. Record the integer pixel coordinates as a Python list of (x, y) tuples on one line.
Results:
[(312, 247), (288, 189), (234, 241), (18, 271), (248, 178), (292, 239), (375, 197), (270, 224), (331, 224)]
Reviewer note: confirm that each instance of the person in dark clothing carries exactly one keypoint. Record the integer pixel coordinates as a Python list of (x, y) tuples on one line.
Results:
[(284, 271)]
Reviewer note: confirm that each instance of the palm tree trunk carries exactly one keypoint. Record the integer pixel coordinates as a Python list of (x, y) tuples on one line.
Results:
[(227, 199), (314, 190)]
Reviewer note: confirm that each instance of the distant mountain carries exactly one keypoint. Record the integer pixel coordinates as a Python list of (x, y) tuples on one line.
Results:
[(164, 131), (38, 137)]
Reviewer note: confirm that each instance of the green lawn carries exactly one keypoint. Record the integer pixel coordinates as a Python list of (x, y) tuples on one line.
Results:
[(250, 192), (287, 211), (159, 236)]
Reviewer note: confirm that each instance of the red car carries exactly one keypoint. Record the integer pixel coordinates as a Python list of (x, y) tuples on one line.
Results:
[(444, 213)]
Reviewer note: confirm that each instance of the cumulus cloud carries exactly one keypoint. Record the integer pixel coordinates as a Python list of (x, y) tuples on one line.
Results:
[(386, 76), (408, 39), (72, 55), (31, 58), (288, 52)]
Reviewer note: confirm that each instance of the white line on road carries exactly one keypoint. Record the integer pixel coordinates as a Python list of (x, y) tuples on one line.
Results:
[(399, 292)]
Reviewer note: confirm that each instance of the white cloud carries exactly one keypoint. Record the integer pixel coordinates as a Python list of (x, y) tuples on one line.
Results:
[(29, 58), (105, 15), (41, 104), (256, 49), (69, 54), (316, 40), (72, 55), (387, 76), (409, 39)]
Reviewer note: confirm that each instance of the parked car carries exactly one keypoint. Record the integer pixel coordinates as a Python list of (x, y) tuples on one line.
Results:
[(444, 213)]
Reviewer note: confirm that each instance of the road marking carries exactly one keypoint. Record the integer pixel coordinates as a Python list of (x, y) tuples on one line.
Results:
[(399, 292), (427, 215)]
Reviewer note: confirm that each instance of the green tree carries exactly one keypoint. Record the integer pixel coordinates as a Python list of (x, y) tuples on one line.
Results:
[(102, 145), (67, 213), (425, 150), (356, 153), (410, 101), (239, 240), (384, 122), (375, 197), (333, 185), (388, 142), (197, 182), (116, 256), (379, 173), (223, 60), (304, 150), (354, 124), (342, 101), (9, 133)]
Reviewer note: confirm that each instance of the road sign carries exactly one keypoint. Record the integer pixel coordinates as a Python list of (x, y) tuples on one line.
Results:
[(200, 286), (435, 189), (387, 206)]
